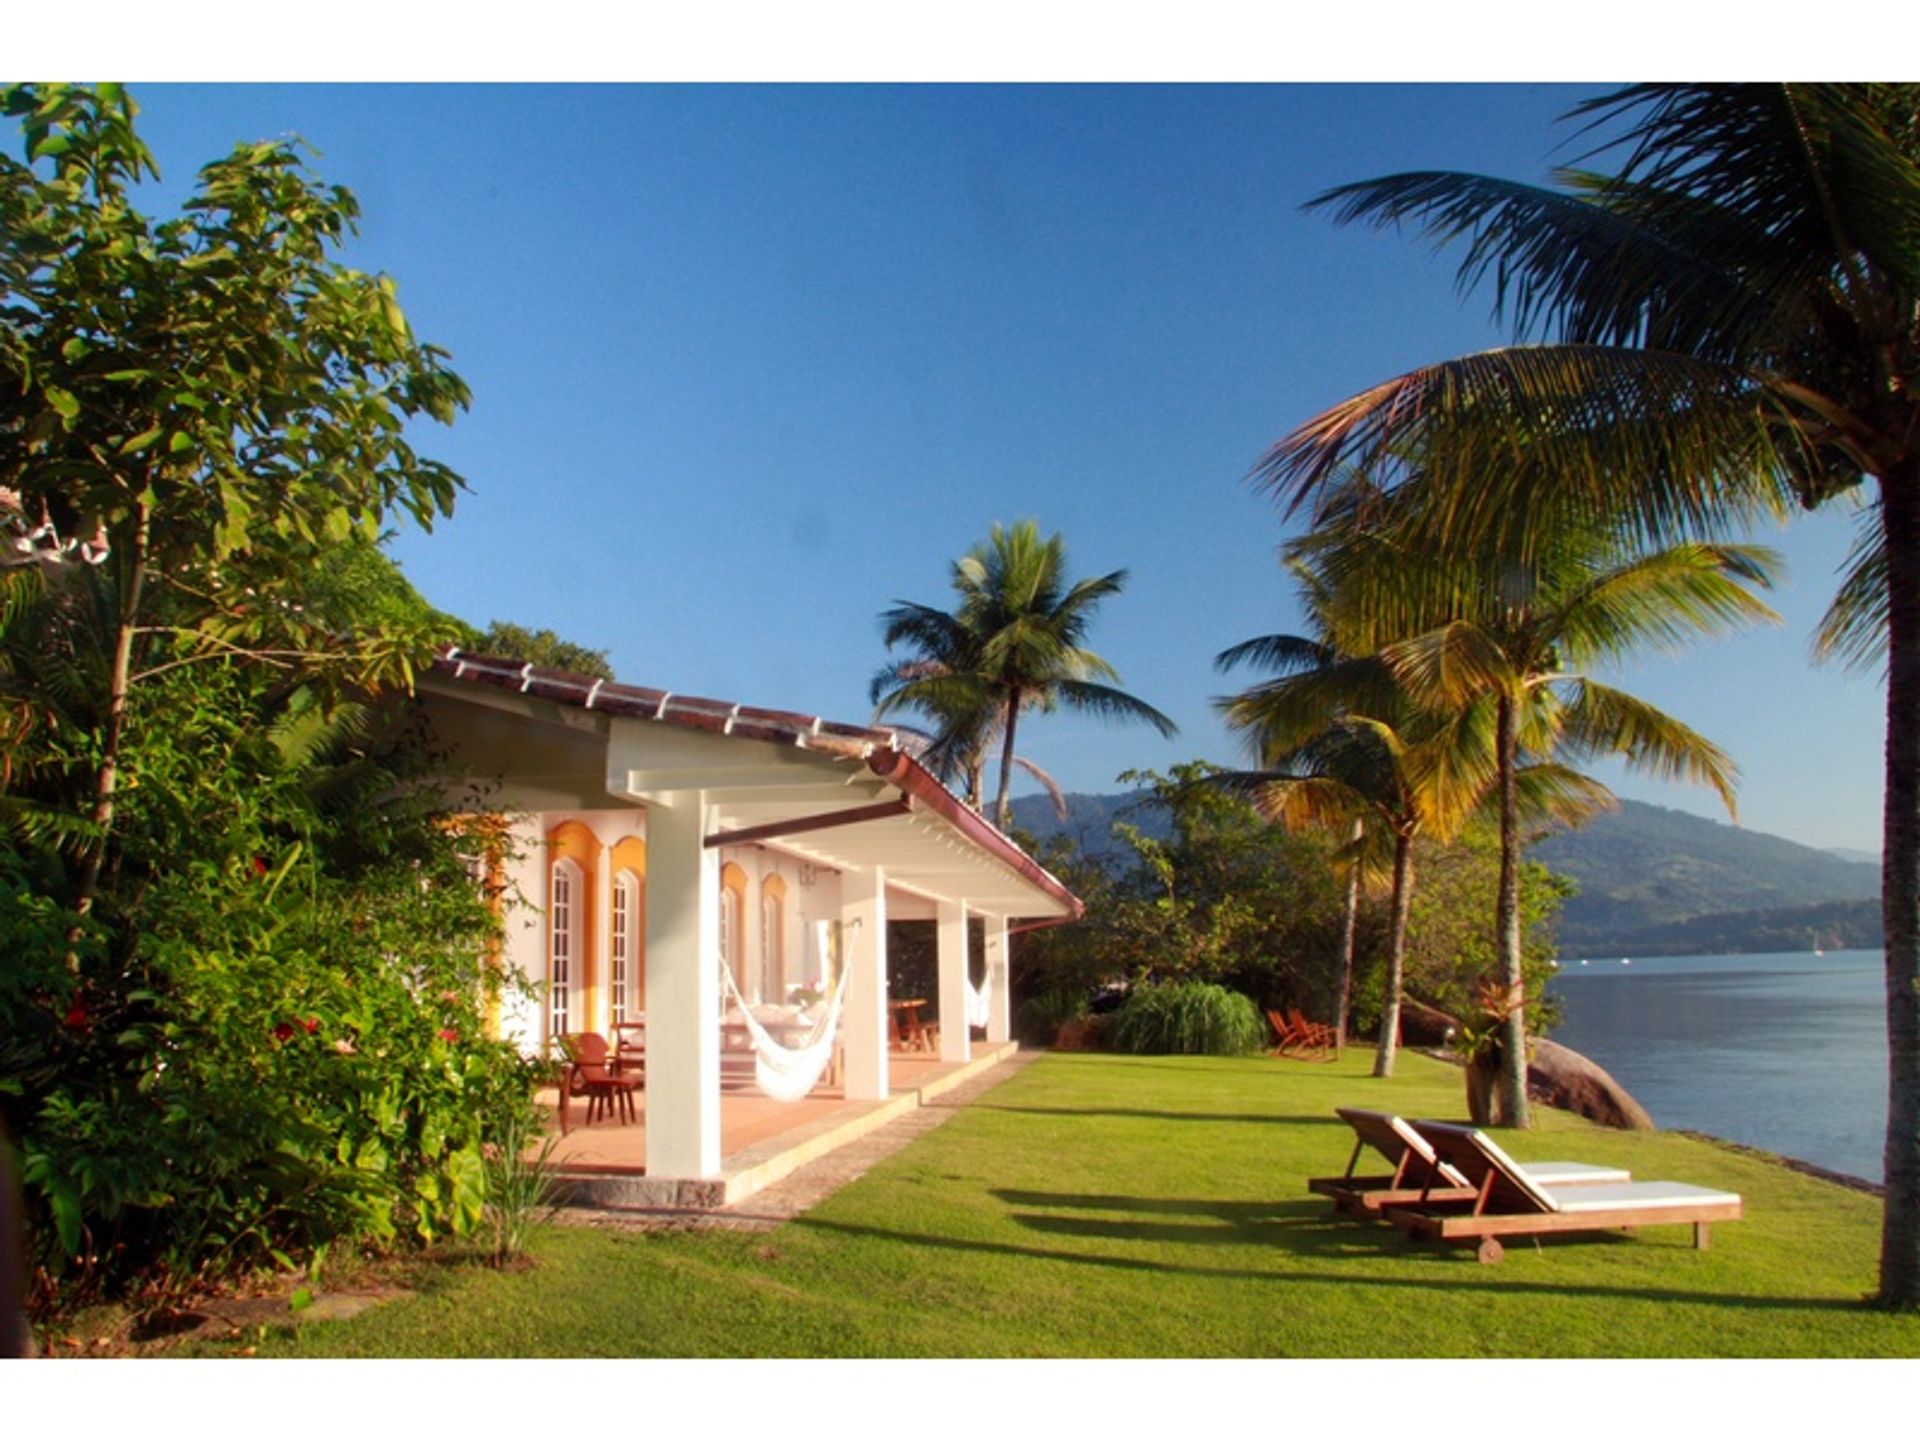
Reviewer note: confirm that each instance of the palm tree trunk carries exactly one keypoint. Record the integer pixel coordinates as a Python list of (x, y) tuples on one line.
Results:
[(1900, 889), (1396, 955), (1506, 924), (1349, 926), (1003, 808)]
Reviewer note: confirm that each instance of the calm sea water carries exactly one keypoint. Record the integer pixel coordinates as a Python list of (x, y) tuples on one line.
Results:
[(1784, 1052)]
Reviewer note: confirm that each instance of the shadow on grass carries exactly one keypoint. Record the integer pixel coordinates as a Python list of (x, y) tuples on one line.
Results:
[(1237, 1117), (1305, 1231)]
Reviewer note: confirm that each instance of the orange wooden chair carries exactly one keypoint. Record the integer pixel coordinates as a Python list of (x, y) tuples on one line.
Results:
[(592, 1073)]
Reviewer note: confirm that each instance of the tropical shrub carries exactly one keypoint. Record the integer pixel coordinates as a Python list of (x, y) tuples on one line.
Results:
[(1039, 1017), (1187, 1017), (271, 1035)]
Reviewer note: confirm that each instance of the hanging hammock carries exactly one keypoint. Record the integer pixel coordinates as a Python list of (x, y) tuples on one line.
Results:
[(789, 1073), (979, 1002)]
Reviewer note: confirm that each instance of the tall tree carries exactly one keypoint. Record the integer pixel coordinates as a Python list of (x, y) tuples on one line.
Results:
[(1346, 747), (1012, 644), (1725, 326), (1511, 638), (205, 404), (1332, 758)]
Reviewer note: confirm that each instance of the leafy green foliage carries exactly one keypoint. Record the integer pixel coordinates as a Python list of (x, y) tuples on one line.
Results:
[(1450, 937), (244, 1008), (1187, 1017), (537, 647), (275, 1036), (1202, 889)]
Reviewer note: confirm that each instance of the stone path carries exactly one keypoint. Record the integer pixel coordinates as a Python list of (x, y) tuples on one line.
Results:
[(811, 1183)]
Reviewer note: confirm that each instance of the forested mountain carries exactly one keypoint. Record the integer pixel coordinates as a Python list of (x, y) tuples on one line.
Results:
[(1652, 880)]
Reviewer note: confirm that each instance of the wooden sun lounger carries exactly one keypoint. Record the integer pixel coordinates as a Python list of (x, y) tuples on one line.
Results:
[(1298, 1035), (1418, 1171), (1507, 1200)]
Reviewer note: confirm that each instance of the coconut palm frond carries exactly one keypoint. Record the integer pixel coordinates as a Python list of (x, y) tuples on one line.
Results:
[(1854, 629), (1556, 262), (1519, 442), (1557, 797), (1281, 654), (1664, 600), (1111, 704), (1051, 786), (1452, 665), (1600, 720)]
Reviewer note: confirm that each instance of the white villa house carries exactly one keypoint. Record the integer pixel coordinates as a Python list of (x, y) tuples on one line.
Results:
[(651, 837)]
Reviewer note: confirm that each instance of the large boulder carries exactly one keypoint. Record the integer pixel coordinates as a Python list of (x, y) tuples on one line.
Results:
[(1422, 1025), (1568, 1080)]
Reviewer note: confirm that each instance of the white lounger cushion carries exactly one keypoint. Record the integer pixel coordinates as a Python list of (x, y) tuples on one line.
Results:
[(1641, 1195), (1572, 1172)]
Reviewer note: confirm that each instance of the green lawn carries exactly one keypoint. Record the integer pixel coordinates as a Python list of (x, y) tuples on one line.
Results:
[(1108, 1205)]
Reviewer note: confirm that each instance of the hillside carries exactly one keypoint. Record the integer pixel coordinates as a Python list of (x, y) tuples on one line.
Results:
[(1644, 870), (1652, 881)]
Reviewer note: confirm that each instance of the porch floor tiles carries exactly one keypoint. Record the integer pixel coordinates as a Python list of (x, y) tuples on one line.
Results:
[(761, 1140)]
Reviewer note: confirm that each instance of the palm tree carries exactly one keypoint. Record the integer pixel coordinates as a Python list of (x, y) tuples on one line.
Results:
[(1348, 749), (1329, 735), (1011, 645), (1724, 327), (1514, 637), (966, 724)]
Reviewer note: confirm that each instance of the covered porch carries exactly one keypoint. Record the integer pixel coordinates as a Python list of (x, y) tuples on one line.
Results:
[(717, 802), (761, 1140)]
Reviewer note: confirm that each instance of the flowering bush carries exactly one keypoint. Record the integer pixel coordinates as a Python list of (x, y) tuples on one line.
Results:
[(237, 1062)]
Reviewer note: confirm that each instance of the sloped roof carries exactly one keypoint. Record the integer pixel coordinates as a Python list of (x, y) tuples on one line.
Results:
[(883, 751)]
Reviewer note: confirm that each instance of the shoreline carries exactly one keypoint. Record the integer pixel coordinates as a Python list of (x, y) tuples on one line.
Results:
[(1842, 1178)]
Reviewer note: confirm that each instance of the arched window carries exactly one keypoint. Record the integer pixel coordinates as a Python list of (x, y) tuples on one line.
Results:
[(773, 939), (733, 922), (564, 906), (624, 945)]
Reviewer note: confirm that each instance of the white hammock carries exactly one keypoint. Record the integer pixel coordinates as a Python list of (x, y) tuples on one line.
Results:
[(979, 1002), (788, 1073)]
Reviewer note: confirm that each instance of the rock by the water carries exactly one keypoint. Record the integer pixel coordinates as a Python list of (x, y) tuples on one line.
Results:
[(1568, 1080)]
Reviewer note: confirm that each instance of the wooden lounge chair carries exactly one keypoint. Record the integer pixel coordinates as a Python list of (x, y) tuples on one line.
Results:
[(1296, 1037), (1506, 1200), (592, 1073), (1317, 1035), (1420, 1174)]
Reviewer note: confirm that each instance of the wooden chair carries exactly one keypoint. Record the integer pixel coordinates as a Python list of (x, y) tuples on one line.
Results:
[(592, 1073), (1297, 1037), (1507, 1200), (1419, 1173), (1320, 1037)]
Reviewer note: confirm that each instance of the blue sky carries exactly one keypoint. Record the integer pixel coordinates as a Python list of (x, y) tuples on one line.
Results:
[(752, 362)]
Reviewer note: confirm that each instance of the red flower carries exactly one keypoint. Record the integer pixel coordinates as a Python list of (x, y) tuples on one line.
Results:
[(259, 866), (450, 1036), (77, 1014), (311, 1023), (283, 1031)]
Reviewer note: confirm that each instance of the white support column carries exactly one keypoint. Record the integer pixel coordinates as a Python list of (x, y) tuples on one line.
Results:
[(1000, 1002), (956, 1039), (683, 993), (863, 914)]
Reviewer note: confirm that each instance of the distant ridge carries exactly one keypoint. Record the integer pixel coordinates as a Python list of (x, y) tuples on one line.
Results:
[(1652, 880)]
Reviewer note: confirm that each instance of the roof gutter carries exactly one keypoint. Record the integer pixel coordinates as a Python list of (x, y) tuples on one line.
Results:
[(907, 775)]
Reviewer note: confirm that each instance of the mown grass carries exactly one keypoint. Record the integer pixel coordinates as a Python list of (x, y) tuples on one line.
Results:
[(1106, 1205)]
